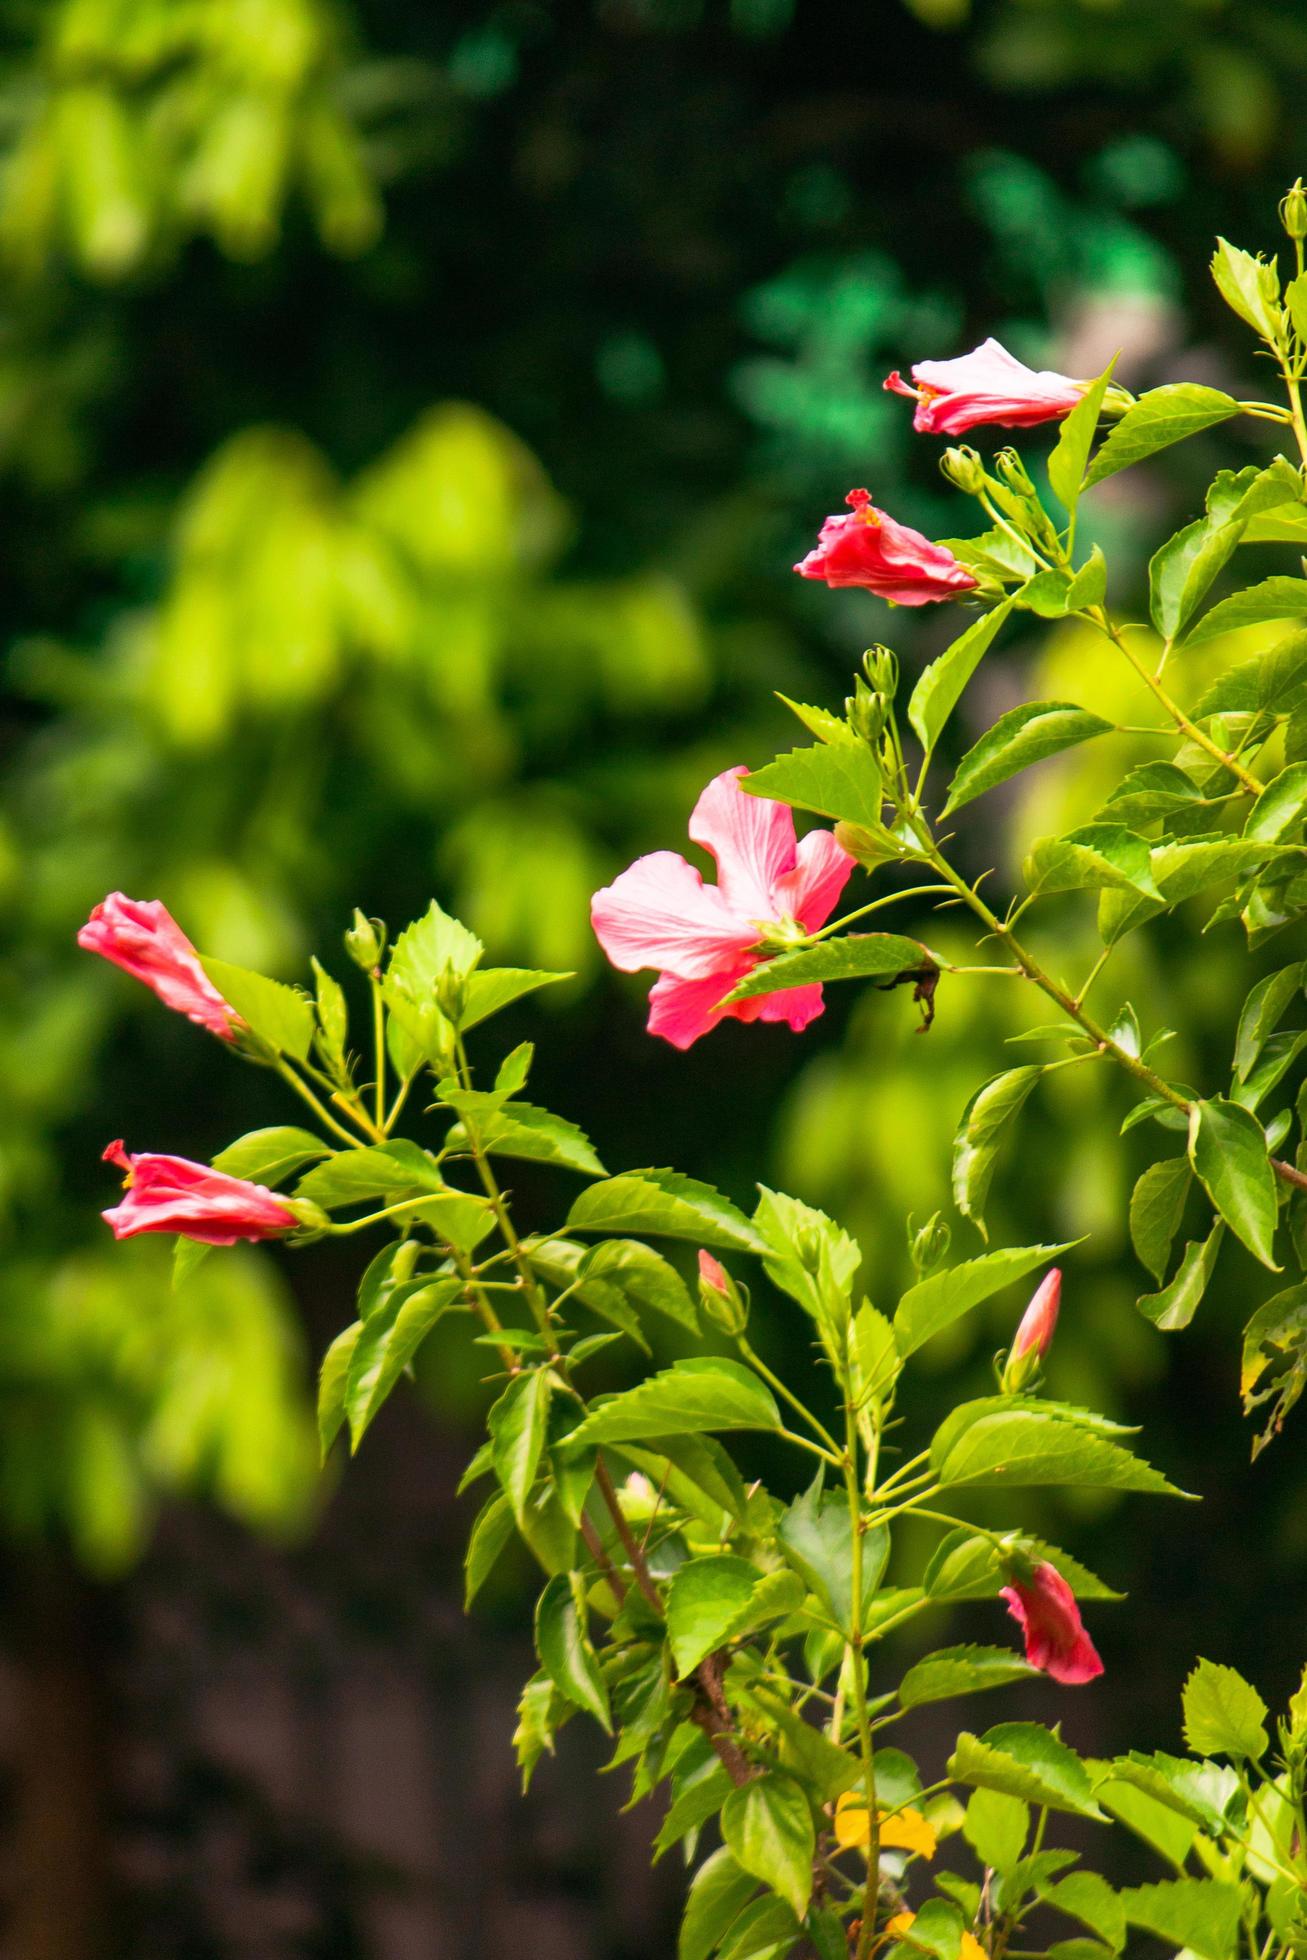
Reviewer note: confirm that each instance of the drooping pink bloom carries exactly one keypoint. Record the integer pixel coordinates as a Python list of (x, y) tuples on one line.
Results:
[(871, 549), (171, 1194), (703, 939), (142, 937), (986, 385), (1035, 1334), (1045, 1608)]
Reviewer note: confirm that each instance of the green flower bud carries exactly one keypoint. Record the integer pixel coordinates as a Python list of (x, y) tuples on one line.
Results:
[(451, 995), (928, 1244), (365, 942), (1293, 210), (1012, 472), (881, 666), (963, 468), (313, 1219), (866, 712)]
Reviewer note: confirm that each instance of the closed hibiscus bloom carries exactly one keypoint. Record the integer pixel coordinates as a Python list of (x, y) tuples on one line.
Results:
[(703, 939), (1044, 1606), (871, 549), (141, 936), (988, 385), (171, 1194)]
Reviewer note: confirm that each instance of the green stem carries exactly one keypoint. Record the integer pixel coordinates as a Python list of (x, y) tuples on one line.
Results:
[(379, 1042), (375, 1217), (1098, 616), (324, 1116), (876, 905), (401, 1097), (857, 1666), (787, 1394)]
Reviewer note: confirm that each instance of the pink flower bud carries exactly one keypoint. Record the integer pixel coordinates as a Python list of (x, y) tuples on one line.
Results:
[(712, 1274), (722, 1300), (1045, 1608), (871, 549), (986, 385), (1035, 1334), (171, 1194), (142, 937)]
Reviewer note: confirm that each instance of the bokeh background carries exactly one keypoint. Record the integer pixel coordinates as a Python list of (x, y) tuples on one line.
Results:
[(409, 413)]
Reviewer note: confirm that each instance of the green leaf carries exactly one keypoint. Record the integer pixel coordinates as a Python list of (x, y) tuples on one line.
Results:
[(940, 686), (815, 1534), (1157, 419), (565, 1650), (646, 1281), (1070, 454), (765, 1930), (812, 1259), (520, 1129), (331, 1386), (1154, 789), (856, 956), (1018, 739), (397, 1170), (1273, 682), (834, 780), (1223, 1714), (979, 1134), (1156, 1208), (720, 1891), (541, 1712), (390, 1337), (665, 1204), (821, 722), (967, 1566), (768, 1827), (1197, 1791), (488, 1537), (1261, 1013), (1175, 1306), (333, 1015), (1097, 857), (936, 1930), (1090, 1899), (518, 1425), (1157, 1824), (1200, 1915), (1278, 597), (1275, 1338), (1251, 288), (1025, 1446), (280, 1015), (709, 1603), (935, 1303), (1227, 1149), (704, 1394), (1280, 806), (1182, 869), (960, 1671), (491, 989), (996, 1827), (267, 1156), (433, 946), (1181, 574), (1021, 1759)]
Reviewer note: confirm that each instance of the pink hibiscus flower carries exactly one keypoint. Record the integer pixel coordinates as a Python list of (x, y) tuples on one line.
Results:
[(703, 939), (868, 547), (986, 385), (1044, 1606)]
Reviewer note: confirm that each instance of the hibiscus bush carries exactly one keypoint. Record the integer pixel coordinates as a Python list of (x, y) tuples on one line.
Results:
[(725, 1615)]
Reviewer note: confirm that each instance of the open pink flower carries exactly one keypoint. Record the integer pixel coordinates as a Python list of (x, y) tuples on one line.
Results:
[(872, 549), (142, 937), (1044, 1606), (986, 385), (171, 1194), (703, 939)]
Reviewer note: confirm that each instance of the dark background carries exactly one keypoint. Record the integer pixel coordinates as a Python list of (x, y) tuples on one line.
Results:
[(408, 416)]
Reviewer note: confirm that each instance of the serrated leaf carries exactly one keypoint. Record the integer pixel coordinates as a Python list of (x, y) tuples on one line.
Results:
[(280, 1015), (812, 1259), (767, 1824), (565, 1650), (719, 1893), (1096, 857), (1021, 1759), (1156, 1208), (1274, 682), (267, 1156), (708, 1602), (1175, 1306), (520, 1129), (835, 780), (976, 1143), (1154, 789), (704, 1394), (1277, 597), (1275, 1338), (967, 1566), (1024, 1446), (518, 1425), (390, 1337), (935, 1303), (940, 686), (1200, 1915), (1227, 1149), (1090, 1899), (666, 1204), (333, 1014), (1250, 287), (1019, 739), (1182, 572), (1070, 453), (856, 956), (331, 1386), (1223, 1714), (996, 1827), (1197, 1791), (815, 1535), (1157, 419), (645, 1280), (490, 989), (960, 1671), (489, 1535), (1279, 808), (396, 1170), (1261, 1013)]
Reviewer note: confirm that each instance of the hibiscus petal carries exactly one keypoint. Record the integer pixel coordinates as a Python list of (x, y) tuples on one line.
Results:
[(660, 913), (811, 891), (682, 1011), (752, 839), (797, 1005)]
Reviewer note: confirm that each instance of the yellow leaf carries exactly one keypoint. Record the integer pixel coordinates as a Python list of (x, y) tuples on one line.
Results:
[(903, 1830), (971, 1949)]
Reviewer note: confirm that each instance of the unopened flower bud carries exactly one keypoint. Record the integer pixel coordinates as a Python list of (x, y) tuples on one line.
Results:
[(962, 467), (451, 995), (725, 1304), (928, 1244), (881, 666), (1293, 210), (311, 1217), (866, 712), (1034, 1336), (365, 942), (869, 847), (1012, 472)]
